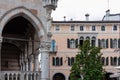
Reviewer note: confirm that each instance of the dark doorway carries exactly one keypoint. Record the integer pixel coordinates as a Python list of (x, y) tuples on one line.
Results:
[(58, 76)]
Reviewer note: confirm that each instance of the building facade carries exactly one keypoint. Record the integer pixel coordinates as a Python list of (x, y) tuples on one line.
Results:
[(68, 34), (24, 34)]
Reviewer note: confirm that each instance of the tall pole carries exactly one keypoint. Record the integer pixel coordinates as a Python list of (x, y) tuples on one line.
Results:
[(108, 4)]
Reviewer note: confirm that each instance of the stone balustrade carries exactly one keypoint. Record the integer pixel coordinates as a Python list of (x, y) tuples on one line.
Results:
[(20, 75)]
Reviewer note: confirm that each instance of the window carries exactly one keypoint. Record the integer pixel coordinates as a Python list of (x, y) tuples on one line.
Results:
[(72, 43), (111, 60), (70, 61), (87, 38), (72, 28), (103, 60), (107, 61), (114, 43), (81, 41), (93, 28), (57, 61), (53, 45), (81, 28), (102, 28), (115, 61), (53, 61), (115, 28), (93, 42), (57, 28), (103, 43)]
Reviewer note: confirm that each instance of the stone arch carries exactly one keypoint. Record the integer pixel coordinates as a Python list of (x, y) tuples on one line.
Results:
[(58, 76), (26, 13)]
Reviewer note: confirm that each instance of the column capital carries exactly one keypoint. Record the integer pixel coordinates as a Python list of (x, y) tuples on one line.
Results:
[(45, 45)]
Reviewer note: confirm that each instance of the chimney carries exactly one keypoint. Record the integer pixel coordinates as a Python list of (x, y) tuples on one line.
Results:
[(108, 12), (87, 17), (64, 18)]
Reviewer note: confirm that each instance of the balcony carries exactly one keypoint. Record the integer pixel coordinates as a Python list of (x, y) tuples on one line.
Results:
[(52, 4), (20, 75), (53, 49)]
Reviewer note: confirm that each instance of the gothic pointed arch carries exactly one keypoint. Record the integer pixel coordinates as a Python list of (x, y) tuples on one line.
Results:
[(27, 14)]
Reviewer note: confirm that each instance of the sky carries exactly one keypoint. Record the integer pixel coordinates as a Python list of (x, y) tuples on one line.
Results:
[(76, 9)]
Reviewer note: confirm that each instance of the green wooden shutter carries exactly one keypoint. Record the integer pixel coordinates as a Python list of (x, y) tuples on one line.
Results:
[(68, 43), (107, 43), (111, 43)]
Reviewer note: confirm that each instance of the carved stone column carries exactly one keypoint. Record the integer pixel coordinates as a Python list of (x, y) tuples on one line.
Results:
[(26, 65), (44, 61), (36, 62), (31, 62)]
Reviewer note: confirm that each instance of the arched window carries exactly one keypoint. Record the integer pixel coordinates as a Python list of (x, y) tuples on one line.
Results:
[(81, 41), (53, 44), (103, 60), (107, 61), (114, 43), (93, 41), (111, 61), (70, 61), (53, 61), (57, 61), (87, 38), (72, 43), (103, 43), (115, 61)]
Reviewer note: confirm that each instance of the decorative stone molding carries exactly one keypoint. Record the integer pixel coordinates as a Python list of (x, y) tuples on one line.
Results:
[(45, 45), (49, 34)]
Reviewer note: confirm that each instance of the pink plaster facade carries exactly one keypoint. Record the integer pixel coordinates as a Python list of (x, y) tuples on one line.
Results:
[(64, 33)]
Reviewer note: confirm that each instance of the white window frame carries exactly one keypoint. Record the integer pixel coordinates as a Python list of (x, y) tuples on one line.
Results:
[(57, 28), (92, 28), (80, 28), (71, 28), (72, 43), (102, 26), (113, 28)]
